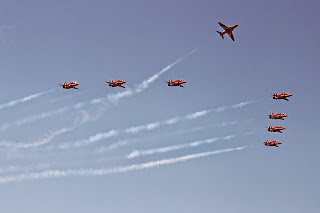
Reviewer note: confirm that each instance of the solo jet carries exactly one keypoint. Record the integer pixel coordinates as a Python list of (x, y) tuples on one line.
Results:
[(176, 83), (275, 129), (283, 96), (116, 83), (227, 30), (272, 143), (71, 85), (277, 116)]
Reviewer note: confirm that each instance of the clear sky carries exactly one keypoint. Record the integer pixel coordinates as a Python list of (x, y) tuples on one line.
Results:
[(73, 145)]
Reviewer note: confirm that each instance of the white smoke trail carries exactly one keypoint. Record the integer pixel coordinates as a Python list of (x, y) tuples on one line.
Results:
[(224, 124), (147, 127), (38, 143), (248, 133), (199, 128), (22, 100), (105, 171), (14, 169), (37, 117), (145, 84), (32, 118), (138, 153), (242, 104), (51, 135), (113, 146), (202, 113), (92, 139), (153, 125)]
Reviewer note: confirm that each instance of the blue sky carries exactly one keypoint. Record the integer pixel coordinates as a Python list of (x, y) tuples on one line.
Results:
[(44, 43)]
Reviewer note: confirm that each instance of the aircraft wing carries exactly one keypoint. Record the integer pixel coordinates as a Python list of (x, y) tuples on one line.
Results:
[(223, 26), (231, 35)]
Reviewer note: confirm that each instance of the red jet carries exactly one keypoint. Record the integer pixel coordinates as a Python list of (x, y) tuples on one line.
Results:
[(71, 85), (227, 30), (272, 143), (276, 128), (283, 96), (277, 116), (176, 83), (116, 83)]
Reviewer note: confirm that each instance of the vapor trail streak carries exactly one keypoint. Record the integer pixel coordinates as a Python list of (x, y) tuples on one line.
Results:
[(145, 84), (150, 126), (22, 100), (49, 137), (38, 143), (138, 153), (107, 171), (32, 118)]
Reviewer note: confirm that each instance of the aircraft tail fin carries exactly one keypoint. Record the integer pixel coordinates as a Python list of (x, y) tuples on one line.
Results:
[(221, 34)]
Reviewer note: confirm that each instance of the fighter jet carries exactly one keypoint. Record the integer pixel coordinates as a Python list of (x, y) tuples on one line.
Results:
[(116, 83), (176, 83), (227, 30), (275, 129), (71, 85), (277, 116), (283, 96), (272, 143)]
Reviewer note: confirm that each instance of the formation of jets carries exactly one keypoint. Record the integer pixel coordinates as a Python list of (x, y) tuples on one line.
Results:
[(179, 83), (176, 83), (279, 116), (118, 83)]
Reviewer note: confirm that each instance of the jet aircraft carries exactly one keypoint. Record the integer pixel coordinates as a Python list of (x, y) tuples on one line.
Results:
[(71, 85), (227, 30), (275, 129), (277, 116), (176, 83), (283, 96), (116, 83), (272, 143)]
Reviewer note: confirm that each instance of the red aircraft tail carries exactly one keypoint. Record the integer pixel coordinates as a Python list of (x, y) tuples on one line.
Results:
[(221, 34), (269, 127)]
